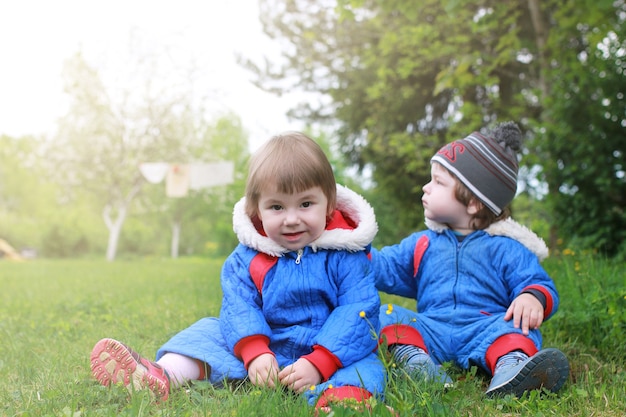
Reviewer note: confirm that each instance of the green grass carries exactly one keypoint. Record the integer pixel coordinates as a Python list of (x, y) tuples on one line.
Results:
[(52, 313)]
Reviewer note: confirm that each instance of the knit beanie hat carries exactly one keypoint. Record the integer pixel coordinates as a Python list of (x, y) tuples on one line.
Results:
[(486, 164)]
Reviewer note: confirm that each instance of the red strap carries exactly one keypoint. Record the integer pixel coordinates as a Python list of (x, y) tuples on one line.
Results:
[(259, 266), (418, 253)]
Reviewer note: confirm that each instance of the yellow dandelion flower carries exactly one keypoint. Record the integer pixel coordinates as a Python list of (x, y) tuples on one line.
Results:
[(389, 309), (312, 388), (330, 386), (362, 314)]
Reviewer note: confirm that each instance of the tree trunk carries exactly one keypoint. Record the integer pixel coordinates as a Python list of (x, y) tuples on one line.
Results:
[(115, 226), (541, 36), (176, 226), (115, 229)]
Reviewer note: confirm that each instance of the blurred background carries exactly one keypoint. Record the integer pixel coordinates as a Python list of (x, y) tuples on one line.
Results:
[(92, 91)]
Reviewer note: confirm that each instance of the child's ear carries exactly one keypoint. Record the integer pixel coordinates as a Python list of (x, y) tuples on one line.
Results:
[(474, 206)]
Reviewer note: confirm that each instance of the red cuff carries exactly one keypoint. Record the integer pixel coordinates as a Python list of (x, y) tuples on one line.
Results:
[(549, 301), (325, 361), (402, 334), (249, 348), (508, 343)]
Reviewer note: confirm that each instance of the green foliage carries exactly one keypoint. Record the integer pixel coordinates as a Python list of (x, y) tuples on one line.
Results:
[(32, 212), (401, 78), (110, 130), (593, 304), (399, 75), (584, 132), (39, 211), (534, 214), (53, 312)]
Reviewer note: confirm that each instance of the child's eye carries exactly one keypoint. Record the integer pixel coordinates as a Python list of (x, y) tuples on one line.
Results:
[(276, 207), (306, 204)]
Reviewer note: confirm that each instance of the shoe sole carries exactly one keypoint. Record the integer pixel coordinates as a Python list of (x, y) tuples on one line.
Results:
[(114, 363), (547, 369)]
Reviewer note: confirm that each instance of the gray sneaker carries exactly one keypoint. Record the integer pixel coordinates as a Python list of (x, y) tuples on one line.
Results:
[(547, 369), (418, 363)]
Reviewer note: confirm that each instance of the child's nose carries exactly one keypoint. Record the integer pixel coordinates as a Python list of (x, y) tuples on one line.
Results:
[(292, 217)]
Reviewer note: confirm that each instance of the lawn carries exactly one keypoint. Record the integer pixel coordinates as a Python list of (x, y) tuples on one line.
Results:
[(52, 313)]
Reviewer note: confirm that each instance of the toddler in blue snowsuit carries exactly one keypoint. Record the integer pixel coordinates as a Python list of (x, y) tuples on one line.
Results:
[(475, 273), (299, 306)]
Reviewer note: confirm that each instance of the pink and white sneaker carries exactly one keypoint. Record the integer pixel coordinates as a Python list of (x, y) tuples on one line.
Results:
[(112, 362)]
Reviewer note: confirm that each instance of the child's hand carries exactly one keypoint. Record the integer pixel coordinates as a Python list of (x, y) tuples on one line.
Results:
[(526, 311), (263, 371), (300, 375)]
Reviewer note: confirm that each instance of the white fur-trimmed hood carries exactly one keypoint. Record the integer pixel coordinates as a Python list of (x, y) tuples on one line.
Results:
[(509, 228), (349, 203)]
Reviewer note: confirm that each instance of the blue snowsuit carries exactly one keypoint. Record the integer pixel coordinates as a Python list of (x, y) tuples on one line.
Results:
[(463, 289), (319, 303)]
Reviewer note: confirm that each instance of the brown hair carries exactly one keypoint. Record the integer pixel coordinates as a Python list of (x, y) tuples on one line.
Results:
[(484, 217), (290, 162)]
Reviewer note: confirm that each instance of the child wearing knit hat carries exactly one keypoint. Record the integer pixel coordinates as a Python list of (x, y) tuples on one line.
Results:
[(475, 273)]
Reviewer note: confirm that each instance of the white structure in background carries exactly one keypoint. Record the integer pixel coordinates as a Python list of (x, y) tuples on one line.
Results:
[(180, 178)]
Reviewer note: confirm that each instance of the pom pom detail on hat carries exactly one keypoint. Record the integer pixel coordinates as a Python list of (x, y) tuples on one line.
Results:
[(486, 164)]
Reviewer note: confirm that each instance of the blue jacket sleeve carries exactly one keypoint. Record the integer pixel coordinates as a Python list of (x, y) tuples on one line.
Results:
[(241, 315), (395, 267), (523, 271)]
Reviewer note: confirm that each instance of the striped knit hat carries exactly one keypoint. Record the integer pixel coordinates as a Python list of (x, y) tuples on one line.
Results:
[(486, 164)]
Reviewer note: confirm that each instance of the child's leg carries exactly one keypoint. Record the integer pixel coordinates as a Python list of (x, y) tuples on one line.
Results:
[(517, 366), (407, 346), (203, 340), (112, 362), (354, 385), (418, 362), (182, 369)]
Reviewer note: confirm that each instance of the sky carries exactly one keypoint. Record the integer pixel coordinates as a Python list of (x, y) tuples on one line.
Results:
[(38, 36)]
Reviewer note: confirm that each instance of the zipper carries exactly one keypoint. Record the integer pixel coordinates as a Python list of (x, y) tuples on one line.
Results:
[(300, 252), (457, 254)]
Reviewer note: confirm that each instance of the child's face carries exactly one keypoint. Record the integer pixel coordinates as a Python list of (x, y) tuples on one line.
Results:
[(293, 220), (439, 200)]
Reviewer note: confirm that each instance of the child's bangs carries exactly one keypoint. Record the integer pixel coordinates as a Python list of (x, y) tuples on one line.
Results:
[(293, 177)]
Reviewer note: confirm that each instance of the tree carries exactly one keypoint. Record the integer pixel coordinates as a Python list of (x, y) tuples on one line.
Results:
[(109, 131), (223, 140), (403, 78), (584, 124), (32, 213), (23, 188)]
